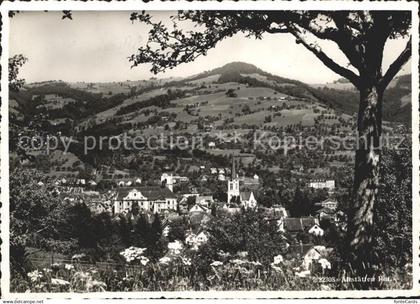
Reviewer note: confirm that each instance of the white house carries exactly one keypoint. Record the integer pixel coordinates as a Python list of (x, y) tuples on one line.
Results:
[(316, 230), (329, 203), (248, 199), (231, 208), (314, 254), (196, 240), (202, 238), (322, 184), (121, 183), (213, 170), (169, 180), (197, 208), (204, 200), (280, 211), (148, 198)]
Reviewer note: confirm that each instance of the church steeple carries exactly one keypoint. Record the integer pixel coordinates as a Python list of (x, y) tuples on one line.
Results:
[(233, 184), (233, 167)]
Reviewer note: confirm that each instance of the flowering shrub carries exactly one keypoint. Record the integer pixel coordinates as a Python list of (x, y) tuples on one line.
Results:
[(175, 247), (134, 253)]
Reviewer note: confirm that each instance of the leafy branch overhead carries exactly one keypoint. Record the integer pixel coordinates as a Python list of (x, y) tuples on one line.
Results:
[(15, 63), (358, 34)]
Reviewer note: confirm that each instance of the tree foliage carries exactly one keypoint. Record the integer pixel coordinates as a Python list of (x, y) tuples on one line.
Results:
[(393, 213), (358, 34), (15, 63)]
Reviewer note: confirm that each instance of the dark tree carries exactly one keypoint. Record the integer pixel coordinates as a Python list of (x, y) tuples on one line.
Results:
[(135, 209), (141, 235), (15, 63), (156, 228), (360, 35)]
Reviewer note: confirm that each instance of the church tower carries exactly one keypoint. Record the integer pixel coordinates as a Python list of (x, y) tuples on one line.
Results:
[(233, 183)]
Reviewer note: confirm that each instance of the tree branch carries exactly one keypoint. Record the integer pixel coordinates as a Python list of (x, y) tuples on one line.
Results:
[(316, 50), (396, 66)]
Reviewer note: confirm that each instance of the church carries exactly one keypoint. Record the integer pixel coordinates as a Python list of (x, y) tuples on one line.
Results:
[(234, 194)]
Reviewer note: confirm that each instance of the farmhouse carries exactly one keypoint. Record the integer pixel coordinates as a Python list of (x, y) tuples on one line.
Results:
[(197, 208), (169, 179), (322, 184), (204, 200), (154, 199), (329, 203), (297, 224), (248, 199), (316, 230)]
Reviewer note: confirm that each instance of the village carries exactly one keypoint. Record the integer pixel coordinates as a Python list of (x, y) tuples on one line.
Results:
[(168, 199)]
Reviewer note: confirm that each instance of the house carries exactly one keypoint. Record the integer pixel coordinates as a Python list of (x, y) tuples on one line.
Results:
[(249, 182), (202, 238), (314, 254), (100, 207), (196, 240), (280, 211), (248, 199), (297, 224), (197, 208), (204, 200), (329, 203), (231, 208), (326, 214), (198, 220), (170, 180), (316, 230), (212, 145), (322, 184), (154, 199)]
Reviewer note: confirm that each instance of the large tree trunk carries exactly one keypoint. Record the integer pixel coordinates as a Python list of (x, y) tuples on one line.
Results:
[(366, 181)]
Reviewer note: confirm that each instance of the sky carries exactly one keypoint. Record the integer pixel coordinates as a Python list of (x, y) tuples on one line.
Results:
[(95, 46)]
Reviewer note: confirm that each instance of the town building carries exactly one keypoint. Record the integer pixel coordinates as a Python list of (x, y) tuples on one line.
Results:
[(296, 225), (245, 199), (248, 199), (169, 180), (329, 203), (197, 208), (155, 199), (322, 184)]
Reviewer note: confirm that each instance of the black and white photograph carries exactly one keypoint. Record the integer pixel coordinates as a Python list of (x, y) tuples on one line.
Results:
[(210, 150)]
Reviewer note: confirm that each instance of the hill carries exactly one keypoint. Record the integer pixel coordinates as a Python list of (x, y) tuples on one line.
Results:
[(91, 104)]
